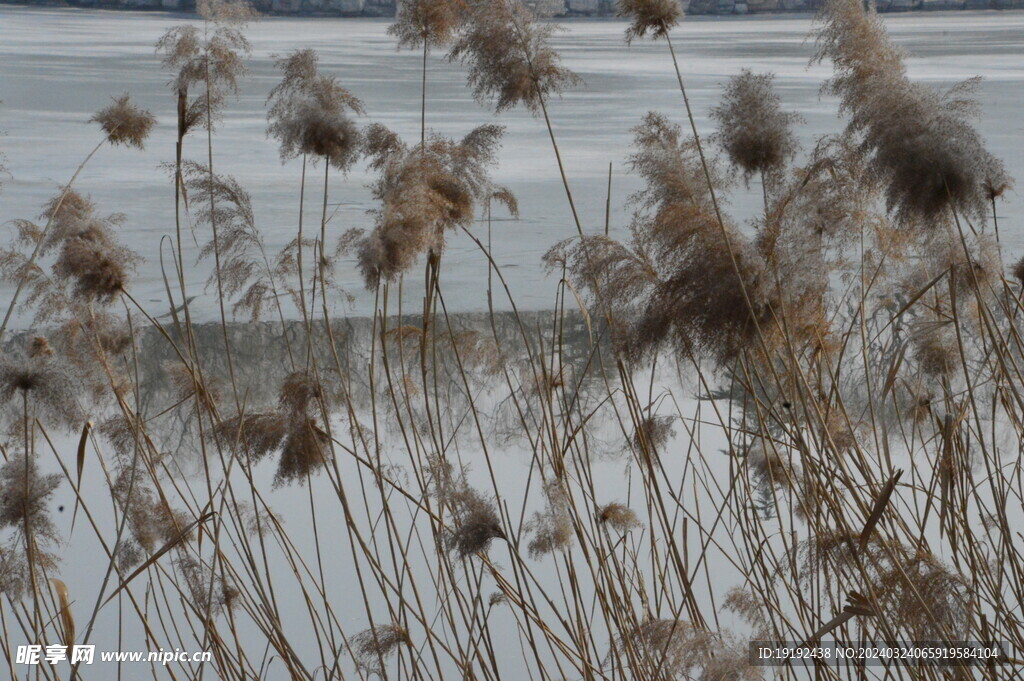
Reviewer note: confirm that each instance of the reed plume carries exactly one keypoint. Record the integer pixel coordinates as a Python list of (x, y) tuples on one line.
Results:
[(679, 274), (424, 192), (509, 57), (427, 23), (211, 58), (25, 499), (920, 142), (151, 519), (293, 429), (753, 129), (91, 260), (699, 303), (618, 517), (124, 123), (673, 647), (371, 647), (653, 432), (654, 17), (552, 528), (1017, 271), (475, 521), (36, 383), (309, 113), (244, 266), (936, 348)]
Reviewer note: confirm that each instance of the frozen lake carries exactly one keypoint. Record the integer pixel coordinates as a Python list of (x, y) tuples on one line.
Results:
[(60, 66)]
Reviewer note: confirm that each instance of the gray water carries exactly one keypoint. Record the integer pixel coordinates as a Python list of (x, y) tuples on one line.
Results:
[(58, 66)]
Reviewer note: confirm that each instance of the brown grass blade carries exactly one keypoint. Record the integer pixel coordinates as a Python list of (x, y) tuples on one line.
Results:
[(66, 618), (156, 556), (80, 461), (878, 509)]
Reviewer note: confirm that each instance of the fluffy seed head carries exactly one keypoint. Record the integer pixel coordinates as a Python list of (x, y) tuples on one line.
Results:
[(309, 113), (654, 17), (1017, 271), (371, 647), (510, 58), (98, 273), (476, 532), (125, 123), (552, 528), (25, 496), (753, 129), (430, 22), (424, 192), (617, 516), (920, 142)]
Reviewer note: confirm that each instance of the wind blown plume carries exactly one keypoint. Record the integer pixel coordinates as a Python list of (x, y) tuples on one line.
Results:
[(309, 113), (239, 244), (213, 59), (125, 123), (683, 265), (429, 23), (424, 192), (510, 58), (371, 647), (654, 17), (921, 144), (552, 528), (475, 521), (293, 429), (753, 129)]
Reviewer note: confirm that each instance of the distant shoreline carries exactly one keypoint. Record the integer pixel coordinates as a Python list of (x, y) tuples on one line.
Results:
[(560, 9)]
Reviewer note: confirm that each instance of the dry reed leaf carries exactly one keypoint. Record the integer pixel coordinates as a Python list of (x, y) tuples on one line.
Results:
[(876, 512), (890, 378), (80, 461), (66, 618), (156, 556)]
